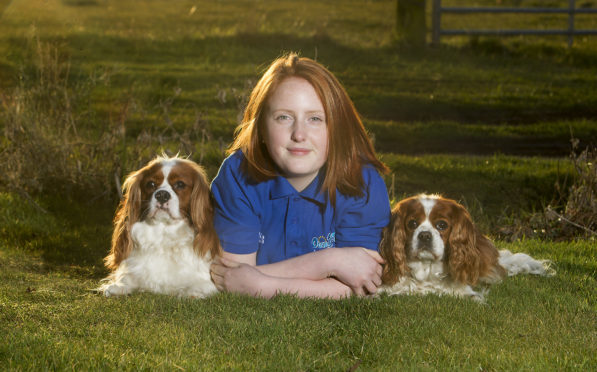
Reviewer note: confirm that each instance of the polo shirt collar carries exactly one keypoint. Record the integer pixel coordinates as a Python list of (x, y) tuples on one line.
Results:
[(282, 188)]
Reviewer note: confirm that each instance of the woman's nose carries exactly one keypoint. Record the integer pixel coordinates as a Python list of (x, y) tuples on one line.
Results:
[(298, 132)]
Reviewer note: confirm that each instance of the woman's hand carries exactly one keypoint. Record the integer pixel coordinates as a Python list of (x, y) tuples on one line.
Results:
[(232, 276), (358, 268)]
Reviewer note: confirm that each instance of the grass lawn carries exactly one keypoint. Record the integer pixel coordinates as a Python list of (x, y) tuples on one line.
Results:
[(108, 84), (51, 320), (49, 264)]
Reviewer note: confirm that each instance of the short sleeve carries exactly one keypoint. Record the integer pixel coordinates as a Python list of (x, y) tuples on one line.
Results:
[(236, 219), (360, 220)]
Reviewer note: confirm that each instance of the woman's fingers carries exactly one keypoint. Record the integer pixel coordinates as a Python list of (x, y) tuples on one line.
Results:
[(217, 275), (375, 255), (377, 281), (218, 269)]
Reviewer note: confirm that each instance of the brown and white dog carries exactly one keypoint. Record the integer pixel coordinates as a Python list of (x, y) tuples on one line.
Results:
[(432, 246), (164, 239)]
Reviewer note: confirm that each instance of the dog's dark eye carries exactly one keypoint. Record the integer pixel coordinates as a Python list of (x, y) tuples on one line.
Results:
[(441, 225), (179, 185), (150, 185), (412, 224)]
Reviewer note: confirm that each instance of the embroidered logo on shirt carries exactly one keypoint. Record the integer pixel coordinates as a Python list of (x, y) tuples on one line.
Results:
[(322, 242), (261, 238)]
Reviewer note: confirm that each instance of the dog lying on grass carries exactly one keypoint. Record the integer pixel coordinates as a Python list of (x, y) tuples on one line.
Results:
[(164, 240), (432, 246)]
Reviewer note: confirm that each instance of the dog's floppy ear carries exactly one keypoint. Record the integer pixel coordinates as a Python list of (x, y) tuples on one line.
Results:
[(464, 260), (393, 248), (129, 212), (202, 216)]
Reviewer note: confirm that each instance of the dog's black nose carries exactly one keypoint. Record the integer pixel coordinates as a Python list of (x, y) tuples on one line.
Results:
[(424, 236), (162, 196)]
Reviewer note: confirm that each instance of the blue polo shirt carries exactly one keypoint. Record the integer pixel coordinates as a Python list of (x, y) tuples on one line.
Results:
[(278, 222)]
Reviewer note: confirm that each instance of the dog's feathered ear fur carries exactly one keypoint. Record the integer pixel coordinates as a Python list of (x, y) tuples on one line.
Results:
[(463, 259), (393, 249), (128, 212), (202, 215), (471, 255)]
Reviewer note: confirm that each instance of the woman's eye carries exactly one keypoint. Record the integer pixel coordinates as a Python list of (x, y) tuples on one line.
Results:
[(179, 185), (283, 118), (316, 119), (412, 224), (441, 225)]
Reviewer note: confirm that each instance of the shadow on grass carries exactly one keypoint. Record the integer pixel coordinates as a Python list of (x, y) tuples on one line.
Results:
[(456, 138), (517, 111), (72, 237), (86, 241)]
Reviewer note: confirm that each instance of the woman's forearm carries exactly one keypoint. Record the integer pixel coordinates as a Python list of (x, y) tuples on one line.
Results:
[(355, 268), (232, 276), (313, 266), (324, 288)]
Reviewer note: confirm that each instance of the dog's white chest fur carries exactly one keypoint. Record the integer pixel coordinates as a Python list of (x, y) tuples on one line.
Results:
[(427, 270), (162, 261), (162, 239), (429, 277)]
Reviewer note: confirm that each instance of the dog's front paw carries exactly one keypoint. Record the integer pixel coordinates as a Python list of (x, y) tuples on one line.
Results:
[(200, 290), (115, 289)]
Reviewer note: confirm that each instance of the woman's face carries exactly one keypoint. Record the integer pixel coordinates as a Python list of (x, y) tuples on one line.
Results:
[(296, 131)]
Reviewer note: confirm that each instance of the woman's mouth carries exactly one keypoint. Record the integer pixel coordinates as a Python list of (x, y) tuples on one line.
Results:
[(299, 151)]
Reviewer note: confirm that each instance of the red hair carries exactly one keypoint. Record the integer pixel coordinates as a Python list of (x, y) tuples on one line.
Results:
[(349, 146)]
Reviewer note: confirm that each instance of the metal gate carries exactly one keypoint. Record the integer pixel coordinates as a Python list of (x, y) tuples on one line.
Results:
[(571, 31)]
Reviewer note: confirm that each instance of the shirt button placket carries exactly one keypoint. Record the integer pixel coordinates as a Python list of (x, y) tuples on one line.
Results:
[(293, 228)]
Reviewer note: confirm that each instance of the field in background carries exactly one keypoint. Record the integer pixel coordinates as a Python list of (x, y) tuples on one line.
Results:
[(91, 89), (526, 96), (145, 76)]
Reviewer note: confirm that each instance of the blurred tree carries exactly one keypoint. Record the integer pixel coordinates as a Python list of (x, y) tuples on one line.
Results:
[(410, 21)]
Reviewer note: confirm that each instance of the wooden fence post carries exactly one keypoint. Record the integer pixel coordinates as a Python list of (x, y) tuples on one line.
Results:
[(436, 22), (410, 21), (571, 9)]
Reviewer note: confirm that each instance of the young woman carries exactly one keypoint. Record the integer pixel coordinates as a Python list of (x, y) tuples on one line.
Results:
[(300, 203)]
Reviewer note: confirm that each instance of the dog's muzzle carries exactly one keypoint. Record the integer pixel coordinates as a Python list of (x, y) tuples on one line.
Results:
[(424, 240), (162, 196)]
